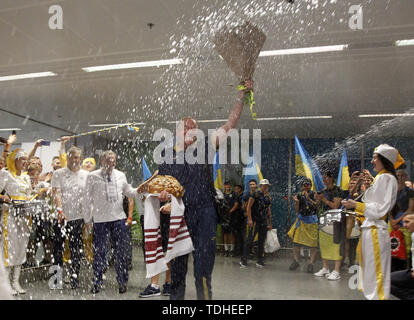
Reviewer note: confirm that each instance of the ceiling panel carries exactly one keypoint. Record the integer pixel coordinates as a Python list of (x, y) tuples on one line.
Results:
[(374, 79)]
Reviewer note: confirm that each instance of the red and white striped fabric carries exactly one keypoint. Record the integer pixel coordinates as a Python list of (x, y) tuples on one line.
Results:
[(179, 241)]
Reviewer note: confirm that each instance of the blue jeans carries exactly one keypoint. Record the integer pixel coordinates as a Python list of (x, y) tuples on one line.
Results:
[(202, 225), (114, 231)]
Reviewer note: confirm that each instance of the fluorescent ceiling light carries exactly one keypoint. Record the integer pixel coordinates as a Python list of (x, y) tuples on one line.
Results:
[(131, 65), (115, 124), (386, 115), (11, 129), (28, 76), (295, 118), (402, 43), (303, 50)]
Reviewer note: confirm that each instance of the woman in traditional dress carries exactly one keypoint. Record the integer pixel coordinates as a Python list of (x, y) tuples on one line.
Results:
[(15, 225), (374, 248)]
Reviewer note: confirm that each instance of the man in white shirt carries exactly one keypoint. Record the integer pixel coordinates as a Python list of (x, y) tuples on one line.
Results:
[(68, 186), (104, 190), (402, 282)]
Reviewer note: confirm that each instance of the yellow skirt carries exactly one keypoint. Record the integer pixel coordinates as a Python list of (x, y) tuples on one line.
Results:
[(329, 249), (305, 234)]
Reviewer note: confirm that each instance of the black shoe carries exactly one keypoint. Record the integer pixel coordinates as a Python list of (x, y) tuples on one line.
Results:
[(95, 289), (310, 268), (294, 265), (73, 285), (166, 289), (45, 262), (130, 267), (122, 289), (150, 291)]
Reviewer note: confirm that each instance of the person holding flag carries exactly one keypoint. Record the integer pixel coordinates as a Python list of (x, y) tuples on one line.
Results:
[(349, 186), (304, 231)]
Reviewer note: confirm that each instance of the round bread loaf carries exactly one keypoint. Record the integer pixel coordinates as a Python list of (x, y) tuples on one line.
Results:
[(167, 183)]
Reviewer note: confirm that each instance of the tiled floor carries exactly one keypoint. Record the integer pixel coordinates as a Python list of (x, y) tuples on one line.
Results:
[(274, 282)]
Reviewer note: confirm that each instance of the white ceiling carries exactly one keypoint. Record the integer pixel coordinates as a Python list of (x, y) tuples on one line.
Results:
[(370, 77)]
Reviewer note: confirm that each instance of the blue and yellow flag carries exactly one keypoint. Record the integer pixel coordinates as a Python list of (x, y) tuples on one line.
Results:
[(305, 166), (218, 180), (252, 171), (132, 128), (343, 176), (145, 170)]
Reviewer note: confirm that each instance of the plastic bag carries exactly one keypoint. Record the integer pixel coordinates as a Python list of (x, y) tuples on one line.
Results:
[(272, 242)]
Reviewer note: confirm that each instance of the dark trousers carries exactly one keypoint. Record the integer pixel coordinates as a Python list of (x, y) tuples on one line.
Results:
[(73, 232), (115, 232), (141, 220), (128, 248), (239, 232), (258, 228), (128, 240), (398, 264), (202, 225), (402, 285)]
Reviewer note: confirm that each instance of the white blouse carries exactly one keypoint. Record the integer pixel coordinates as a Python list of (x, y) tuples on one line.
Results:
[(379, 200), (19, 186)]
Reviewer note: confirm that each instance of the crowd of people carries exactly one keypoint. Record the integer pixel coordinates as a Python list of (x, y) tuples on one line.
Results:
[(371, 227), (70, 197), (87, 204), (89, 214)]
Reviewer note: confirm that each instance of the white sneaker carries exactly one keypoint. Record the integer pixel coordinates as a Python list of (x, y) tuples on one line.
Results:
[(334, 276), (321, 272)]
